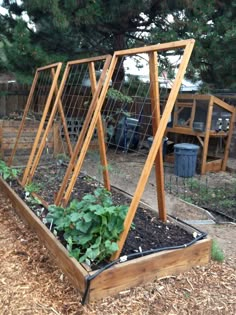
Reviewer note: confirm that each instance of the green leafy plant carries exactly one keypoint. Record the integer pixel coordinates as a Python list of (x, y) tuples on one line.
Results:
[(62, 158), (118, 96), (216, 252), (32, 188), (7, 172), (91, 226)]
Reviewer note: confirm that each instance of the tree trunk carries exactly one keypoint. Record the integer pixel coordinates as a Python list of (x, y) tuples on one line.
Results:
[(119, 73)]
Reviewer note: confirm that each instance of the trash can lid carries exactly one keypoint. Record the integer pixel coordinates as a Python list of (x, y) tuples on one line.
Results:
[(188, 146)]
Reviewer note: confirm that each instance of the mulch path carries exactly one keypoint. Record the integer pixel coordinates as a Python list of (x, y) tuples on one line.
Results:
[(32, 284)]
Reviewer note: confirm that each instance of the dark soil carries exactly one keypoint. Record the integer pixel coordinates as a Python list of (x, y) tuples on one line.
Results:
[(149, 232)]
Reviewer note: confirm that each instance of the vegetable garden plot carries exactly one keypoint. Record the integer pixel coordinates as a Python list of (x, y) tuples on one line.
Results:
[(38, 104), (126, 272), (120, 273)]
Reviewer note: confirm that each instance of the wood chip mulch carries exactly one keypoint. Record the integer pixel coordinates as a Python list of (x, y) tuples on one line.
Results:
[(30, 283)]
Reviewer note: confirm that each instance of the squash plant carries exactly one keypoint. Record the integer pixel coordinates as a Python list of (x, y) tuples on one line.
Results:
[(91, 226)]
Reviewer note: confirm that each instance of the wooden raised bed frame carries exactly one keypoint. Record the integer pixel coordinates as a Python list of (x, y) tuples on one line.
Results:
[(120, 276)]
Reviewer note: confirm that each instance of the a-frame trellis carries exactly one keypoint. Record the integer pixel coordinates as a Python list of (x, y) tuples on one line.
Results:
[(159, 127), (71, 71), (44, 86)]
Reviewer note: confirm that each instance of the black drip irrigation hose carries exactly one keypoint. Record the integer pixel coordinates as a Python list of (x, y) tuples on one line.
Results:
[(125, 258), (231, 219)]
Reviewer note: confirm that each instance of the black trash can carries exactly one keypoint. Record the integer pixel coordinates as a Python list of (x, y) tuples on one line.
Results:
[(185, 159), (164, 144)]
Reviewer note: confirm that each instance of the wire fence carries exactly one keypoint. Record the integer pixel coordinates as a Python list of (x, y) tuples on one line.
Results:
[(215, 191)]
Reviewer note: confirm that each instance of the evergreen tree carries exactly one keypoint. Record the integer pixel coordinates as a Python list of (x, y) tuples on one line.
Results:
[(71, 29)]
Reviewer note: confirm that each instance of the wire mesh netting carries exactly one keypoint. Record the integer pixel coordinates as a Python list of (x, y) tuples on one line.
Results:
[(23, 135), (128, 114), (71, 113)]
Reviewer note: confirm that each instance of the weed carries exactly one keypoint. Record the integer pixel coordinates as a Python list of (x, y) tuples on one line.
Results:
[(187, 198), (216, 252), (228, 203), (62, 158), (186, 295)]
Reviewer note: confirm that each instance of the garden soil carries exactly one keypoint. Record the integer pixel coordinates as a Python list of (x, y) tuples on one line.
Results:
[(31, 283)]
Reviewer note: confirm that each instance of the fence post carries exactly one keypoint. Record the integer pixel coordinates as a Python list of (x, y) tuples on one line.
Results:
[(3, 87)]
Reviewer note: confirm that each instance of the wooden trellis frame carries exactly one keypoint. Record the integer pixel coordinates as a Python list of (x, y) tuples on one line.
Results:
[(96, 88), (56, 68), (159, 127), (189, 101)]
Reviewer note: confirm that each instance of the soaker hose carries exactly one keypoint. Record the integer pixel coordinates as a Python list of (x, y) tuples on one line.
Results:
[(141, 254)]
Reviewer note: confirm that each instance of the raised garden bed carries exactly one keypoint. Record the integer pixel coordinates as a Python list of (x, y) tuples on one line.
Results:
[(121, 274)]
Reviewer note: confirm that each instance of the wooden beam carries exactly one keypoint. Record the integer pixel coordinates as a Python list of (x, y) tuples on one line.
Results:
[(101, 135), (138, 271), (190, 132), (53, 65), (224, 105), (228, 141), (192, 114), (200, 140), (88, 60), (157, 47), (187, 105), (63, 119), (56, 139), (214, 166), (157, 141), (207, 135), (155, 104), (27, 106), (202, 97)]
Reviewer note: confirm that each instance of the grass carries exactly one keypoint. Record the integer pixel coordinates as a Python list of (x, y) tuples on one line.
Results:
[(216, 252)]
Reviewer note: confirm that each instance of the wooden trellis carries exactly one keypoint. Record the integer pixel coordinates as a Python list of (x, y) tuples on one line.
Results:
[(59, 105), (45, 79), (159, 127)]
